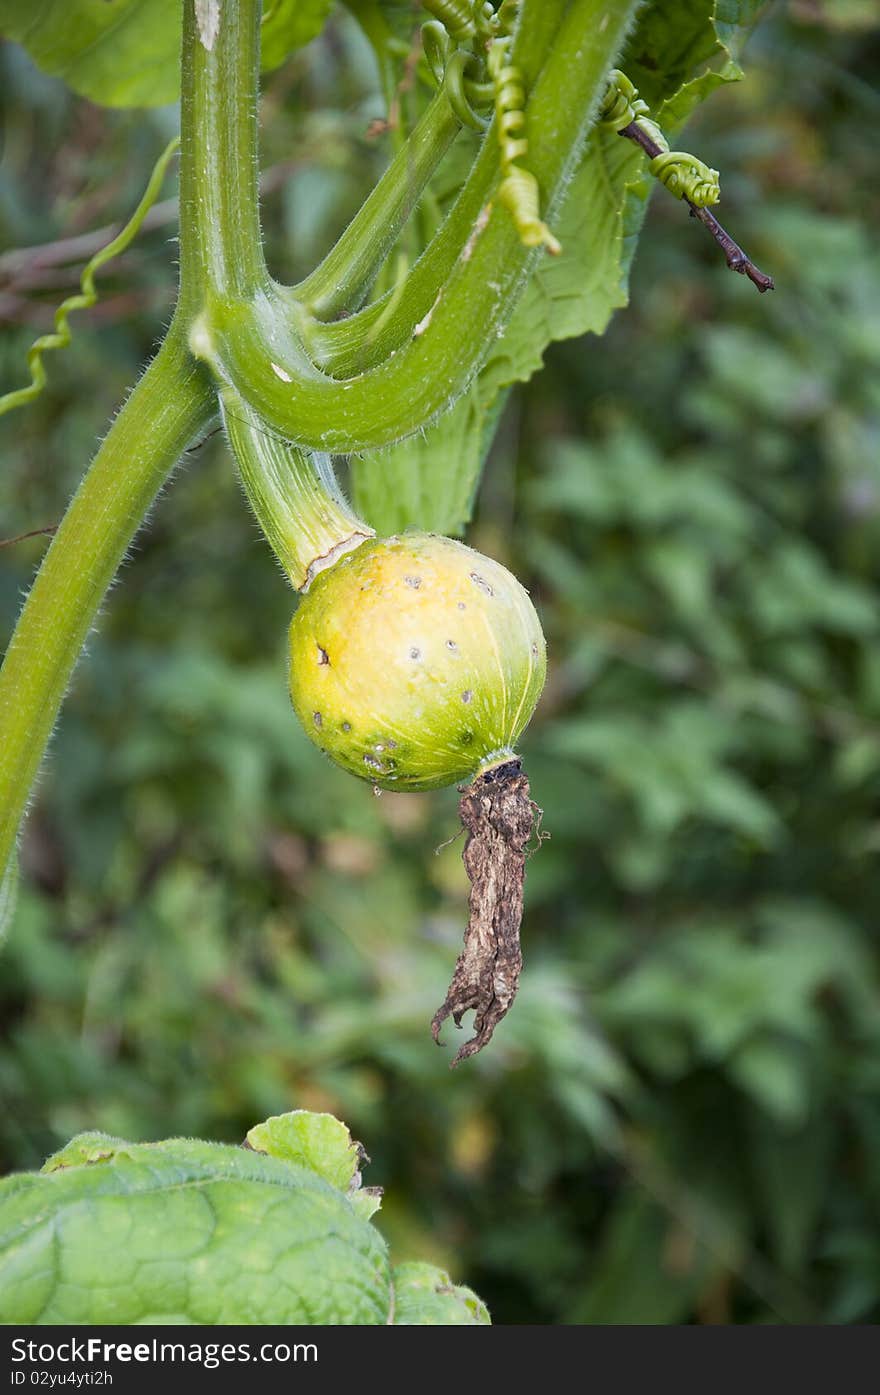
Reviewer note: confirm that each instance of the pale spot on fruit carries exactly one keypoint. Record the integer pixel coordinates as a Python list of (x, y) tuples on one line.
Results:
[(323, 656), (482, 583), (346, 726), (415, 653), (318, 719), (462, 606), (372, 762), (452, 646), (466, 695), (413, 581)]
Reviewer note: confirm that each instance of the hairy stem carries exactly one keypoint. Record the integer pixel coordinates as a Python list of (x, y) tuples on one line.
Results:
[(346, 273), (365, 339), (254, 347), (294, 495), (221, 250), (173, 400)]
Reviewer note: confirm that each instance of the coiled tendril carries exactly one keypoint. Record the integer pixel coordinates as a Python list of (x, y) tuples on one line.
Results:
[(456, 17), (478, 79), (88, 294), (459, 69), (682, 173), (518, 191)]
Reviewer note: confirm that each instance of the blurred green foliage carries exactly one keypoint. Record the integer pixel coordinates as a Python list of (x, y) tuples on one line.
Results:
[(679, 1121)]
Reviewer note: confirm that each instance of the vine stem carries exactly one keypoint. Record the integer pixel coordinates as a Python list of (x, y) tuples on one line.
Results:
[(734, 255), (254, 347), (344, 276), (172, 402), (221, 247)]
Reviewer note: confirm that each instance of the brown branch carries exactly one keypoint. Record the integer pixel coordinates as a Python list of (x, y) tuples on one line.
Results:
[(19, 261), (734, 254), (34, 533)]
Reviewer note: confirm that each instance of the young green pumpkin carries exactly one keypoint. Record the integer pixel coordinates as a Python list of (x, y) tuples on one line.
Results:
[(416, 662)]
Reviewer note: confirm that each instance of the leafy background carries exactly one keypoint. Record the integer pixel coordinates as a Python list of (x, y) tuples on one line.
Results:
[(679, 1122)]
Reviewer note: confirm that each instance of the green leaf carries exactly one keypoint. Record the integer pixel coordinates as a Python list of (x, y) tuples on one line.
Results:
[(426, 480), (774, 1073), (425, 1296), (430, 481), (322, 1143), (126, 53), (190, 1232), (121, 53), (288, 25)]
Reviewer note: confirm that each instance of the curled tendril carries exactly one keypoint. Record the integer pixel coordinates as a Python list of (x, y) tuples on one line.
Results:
[(437, 47), (509, 101), (489, 22), (464, 93), (687, 177), (518, 190), (456, 16), (88, 294), (680, 172), (460, 71), (621, 103), (448, 41), (521, 196)]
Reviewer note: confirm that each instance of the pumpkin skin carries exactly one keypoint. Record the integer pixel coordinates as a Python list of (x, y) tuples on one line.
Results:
[(416, 662)]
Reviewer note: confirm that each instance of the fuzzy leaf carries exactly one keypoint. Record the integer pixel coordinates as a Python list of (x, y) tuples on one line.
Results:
[(425, 1296), (186, 1231), (322, 1143), (121, 53), (678, 54), (288, 25), (126, 53), (190, 1232)]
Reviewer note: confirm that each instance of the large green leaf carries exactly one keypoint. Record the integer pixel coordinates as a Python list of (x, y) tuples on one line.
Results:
[(191, 1232), (125, 53), (678, 54), (288, 25), (430, 480), (121, 53)]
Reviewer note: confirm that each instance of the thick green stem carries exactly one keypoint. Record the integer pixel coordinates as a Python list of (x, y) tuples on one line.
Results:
[(252, 345), (347, 272), (221, 250), (367, 338), (173, 400), (294, 495)]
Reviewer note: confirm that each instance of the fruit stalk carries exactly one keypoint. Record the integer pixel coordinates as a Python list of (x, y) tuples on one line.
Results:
[(294, 495)]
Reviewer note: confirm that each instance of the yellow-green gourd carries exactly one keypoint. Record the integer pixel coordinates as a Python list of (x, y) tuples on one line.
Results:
[(416, 662)]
